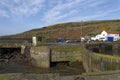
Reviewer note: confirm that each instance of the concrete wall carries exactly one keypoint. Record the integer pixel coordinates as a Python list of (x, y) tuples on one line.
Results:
[(23, 49), (94, 62), (34, 41), (66, 53), (40, 56), (104, 77), (66, 56)]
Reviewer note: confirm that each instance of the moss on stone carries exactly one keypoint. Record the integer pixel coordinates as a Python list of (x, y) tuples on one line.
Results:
[(4, 77)]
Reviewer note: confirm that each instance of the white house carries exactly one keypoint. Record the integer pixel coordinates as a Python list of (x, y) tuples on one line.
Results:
[(82, 39), (106, 36), (114, 35)]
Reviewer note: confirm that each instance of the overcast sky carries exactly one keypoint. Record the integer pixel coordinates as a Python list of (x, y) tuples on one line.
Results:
[(17, 16)]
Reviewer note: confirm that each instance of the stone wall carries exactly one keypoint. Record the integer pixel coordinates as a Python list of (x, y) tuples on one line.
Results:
[(40, 56)]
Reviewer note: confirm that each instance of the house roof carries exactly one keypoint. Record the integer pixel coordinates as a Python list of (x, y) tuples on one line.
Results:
[(112, 32)]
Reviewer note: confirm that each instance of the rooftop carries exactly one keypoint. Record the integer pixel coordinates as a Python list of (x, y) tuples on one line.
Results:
[(112, 32)]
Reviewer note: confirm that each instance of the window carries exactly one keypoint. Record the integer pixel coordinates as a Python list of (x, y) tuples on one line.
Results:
[(103, 34), (39, 38)]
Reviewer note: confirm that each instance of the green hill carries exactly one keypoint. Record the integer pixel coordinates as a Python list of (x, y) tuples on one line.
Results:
[(71, 30)]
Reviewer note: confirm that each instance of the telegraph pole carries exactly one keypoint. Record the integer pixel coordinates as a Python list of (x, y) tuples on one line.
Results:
[(81, 28)]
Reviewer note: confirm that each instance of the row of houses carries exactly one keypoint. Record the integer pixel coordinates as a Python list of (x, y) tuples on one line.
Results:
[(106, 36), (103, 36)]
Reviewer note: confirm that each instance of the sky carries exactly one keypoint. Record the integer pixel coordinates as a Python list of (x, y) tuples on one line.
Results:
[(17, 16)]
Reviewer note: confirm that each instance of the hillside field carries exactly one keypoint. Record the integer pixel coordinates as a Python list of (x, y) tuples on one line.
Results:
[(71, 30)]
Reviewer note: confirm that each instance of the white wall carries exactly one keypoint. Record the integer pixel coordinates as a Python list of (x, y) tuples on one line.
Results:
[(34, 41), (100, 37), (116, 36)]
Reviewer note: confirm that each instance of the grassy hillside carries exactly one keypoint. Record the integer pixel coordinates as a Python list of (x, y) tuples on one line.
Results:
[(71, 30)]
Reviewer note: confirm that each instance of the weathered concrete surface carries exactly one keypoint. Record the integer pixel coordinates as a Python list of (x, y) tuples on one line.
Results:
[(104, 77), (99, 77), (107, 60), (66, 56), (23, 49), (55, 76), (66, 53), (32, 76), (40, 56), (10, 45), (43, 55)]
